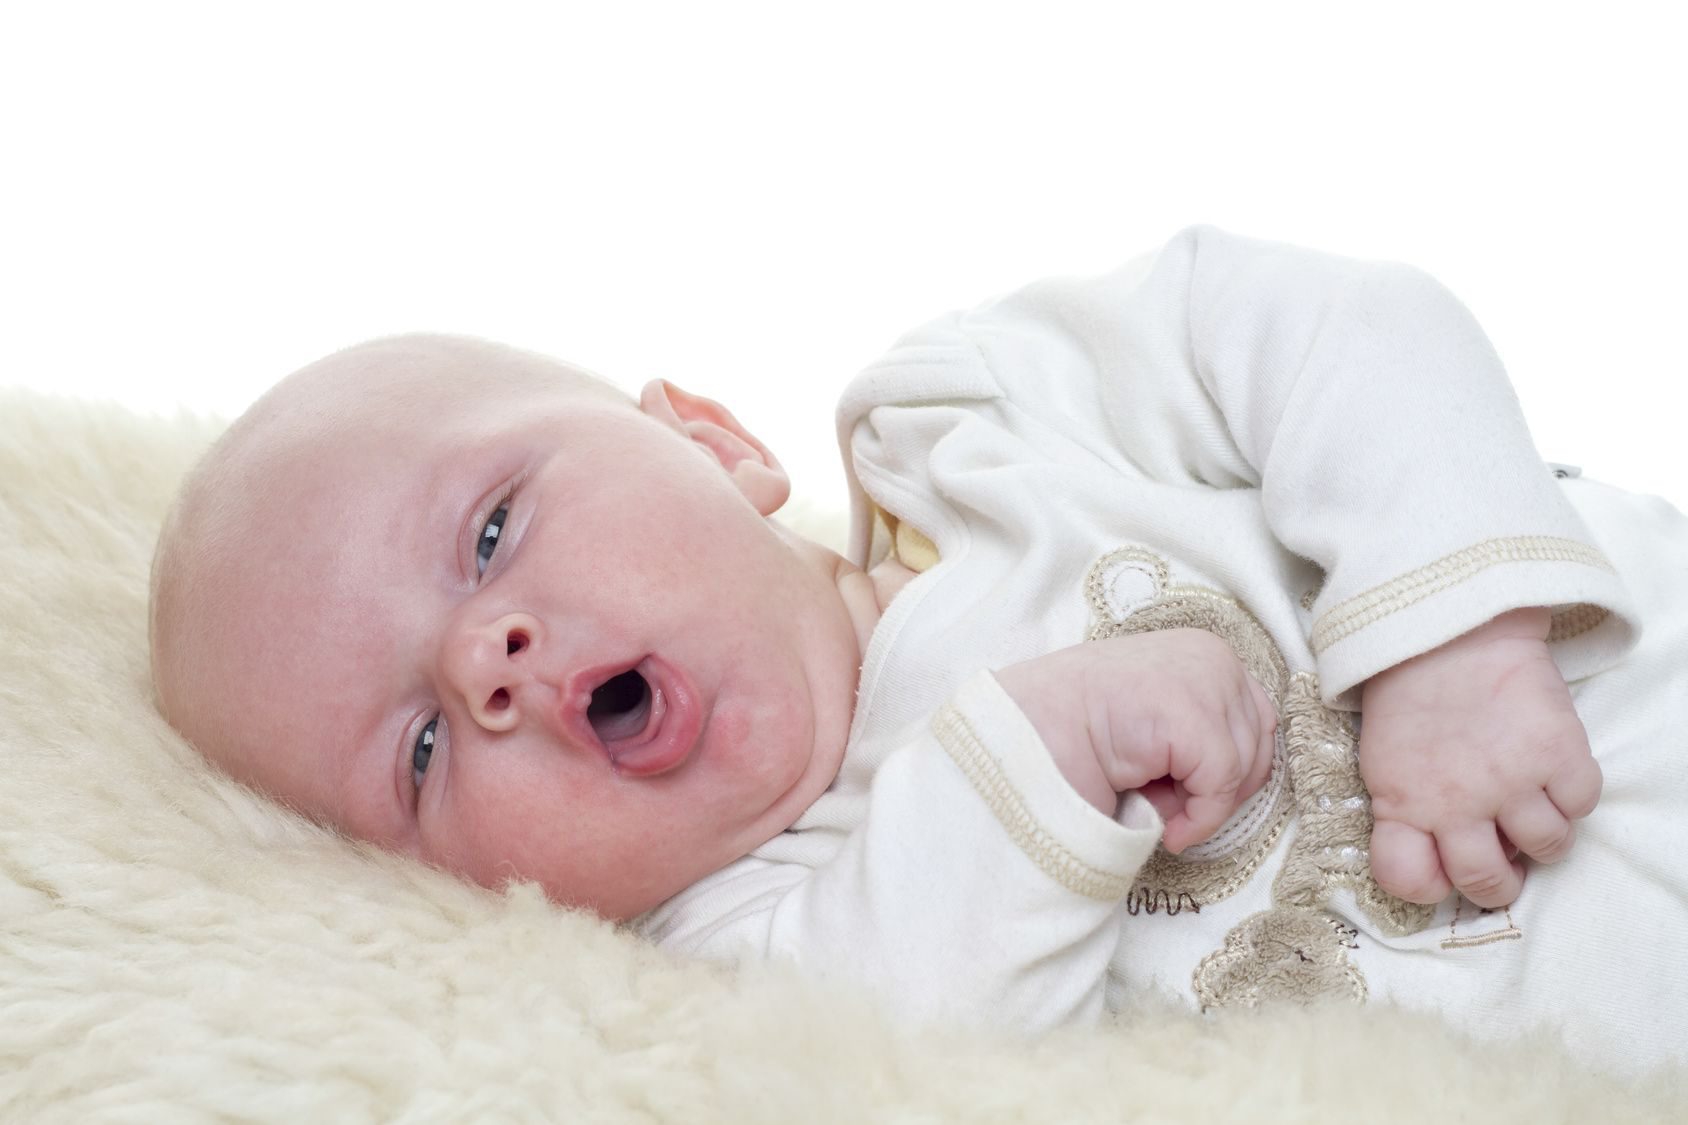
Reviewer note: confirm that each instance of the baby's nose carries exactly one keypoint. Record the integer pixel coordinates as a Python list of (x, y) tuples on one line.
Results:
[(488, 666)]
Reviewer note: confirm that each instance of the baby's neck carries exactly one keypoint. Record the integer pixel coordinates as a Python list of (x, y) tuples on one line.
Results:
[(864, 595), (889, 577), (867, 593)]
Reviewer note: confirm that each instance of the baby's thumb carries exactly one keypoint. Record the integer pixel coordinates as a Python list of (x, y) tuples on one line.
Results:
[(1199, 817), (1405, 862), (1163, 796)]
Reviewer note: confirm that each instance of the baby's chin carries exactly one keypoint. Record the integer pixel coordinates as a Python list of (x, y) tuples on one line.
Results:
[(625, 901)]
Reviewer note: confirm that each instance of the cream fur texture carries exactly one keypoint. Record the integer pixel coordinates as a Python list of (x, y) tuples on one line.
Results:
[(175, 948)]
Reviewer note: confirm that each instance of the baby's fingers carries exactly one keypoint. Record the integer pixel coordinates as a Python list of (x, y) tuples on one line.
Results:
[(1214, 787), (1575, 789), (1200, 818), (1404, 861), (1475, 862), (1536, 825), (1164, 796), (1267, 729), (1202, 813)]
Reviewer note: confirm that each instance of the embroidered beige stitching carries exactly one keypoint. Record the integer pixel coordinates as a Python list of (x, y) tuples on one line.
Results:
[(1397, 594), (1295, 949), (1285, 953), (1097, 586), (1481, 939), (1175, 883), (1333, 834), (1454, 941), (963, 746), (1330, 850)]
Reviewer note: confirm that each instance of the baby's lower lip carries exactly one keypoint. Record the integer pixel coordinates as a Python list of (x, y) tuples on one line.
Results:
[(671, 733)]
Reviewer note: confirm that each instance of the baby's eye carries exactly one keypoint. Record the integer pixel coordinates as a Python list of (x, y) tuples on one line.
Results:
[(423, 750), (489, 537)]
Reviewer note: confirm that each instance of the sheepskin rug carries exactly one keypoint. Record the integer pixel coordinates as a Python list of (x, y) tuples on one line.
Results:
[(176, 948)]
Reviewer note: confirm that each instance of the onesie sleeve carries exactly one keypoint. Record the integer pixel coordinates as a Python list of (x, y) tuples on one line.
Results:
[(1365, 403), (979, 887)]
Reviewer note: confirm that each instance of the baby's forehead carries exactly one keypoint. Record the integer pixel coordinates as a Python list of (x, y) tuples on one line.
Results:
[(338, 440), (421, 389), (376, 383), (337, 447), (434, 369)]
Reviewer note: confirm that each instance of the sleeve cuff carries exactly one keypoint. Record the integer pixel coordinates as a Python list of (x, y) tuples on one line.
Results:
[(1361, 635), (996, 747)]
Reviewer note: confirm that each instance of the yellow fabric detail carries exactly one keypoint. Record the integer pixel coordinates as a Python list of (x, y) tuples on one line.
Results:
[(908, 545), (914, 550)]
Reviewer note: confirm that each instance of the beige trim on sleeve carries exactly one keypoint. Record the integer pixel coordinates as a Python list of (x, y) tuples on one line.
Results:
[(1397, 594), (964, 747)]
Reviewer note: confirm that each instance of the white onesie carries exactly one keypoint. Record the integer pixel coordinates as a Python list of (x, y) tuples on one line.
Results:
[(1320, 460)]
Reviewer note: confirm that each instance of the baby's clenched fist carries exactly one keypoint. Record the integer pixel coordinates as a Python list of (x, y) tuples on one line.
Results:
[(1472, 753), (1173, 714)]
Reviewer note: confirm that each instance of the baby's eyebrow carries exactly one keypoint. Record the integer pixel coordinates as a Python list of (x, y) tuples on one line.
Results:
[(450, 492)]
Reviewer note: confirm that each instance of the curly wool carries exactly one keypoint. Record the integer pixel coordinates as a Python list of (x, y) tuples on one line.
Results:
[(174, 947)]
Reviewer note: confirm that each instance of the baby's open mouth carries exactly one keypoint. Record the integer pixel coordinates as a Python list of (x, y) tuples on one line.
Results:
[(620, 707), (646, 717)]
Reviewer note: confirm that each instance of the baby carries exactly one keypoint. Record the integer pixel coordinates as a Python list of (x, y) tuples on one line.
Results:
[(1140, 551)]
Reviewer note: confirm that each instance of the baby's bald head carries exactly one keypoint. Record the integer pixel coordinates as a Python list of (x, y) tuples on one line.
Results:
[(220, 547)]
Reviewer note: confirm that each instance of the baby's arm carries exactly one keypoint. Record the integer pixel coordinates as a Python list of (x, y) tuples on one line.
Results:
[(1365, 404), (1173, 715), (986, 876), (1467, 748)]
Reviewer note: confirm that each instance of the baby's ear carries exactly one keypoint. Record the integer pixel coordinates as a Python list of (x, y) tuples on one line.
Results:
[(756, 471)]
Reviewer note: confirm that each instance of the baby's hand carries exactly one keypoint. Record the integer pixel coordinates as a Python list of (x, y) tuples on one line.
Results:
[(1173, 713), (1473, 752)]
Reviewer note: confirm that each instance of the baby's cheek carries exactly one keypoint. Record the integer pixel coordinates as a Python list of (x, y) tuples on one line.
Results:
[(728, 734), (486, 819)]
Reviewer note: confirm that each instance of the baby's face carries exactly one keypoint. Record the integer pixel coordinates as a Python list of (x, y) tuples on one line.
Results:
[(522, 630)]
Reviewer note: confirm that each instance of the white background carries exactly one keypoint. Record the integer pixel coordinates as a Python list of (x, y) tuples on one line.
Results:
[(754, 200)]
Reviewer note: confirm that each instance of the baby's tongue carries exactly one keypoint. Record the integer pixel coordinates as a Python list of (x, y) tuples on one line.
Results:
[(671, 721)]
